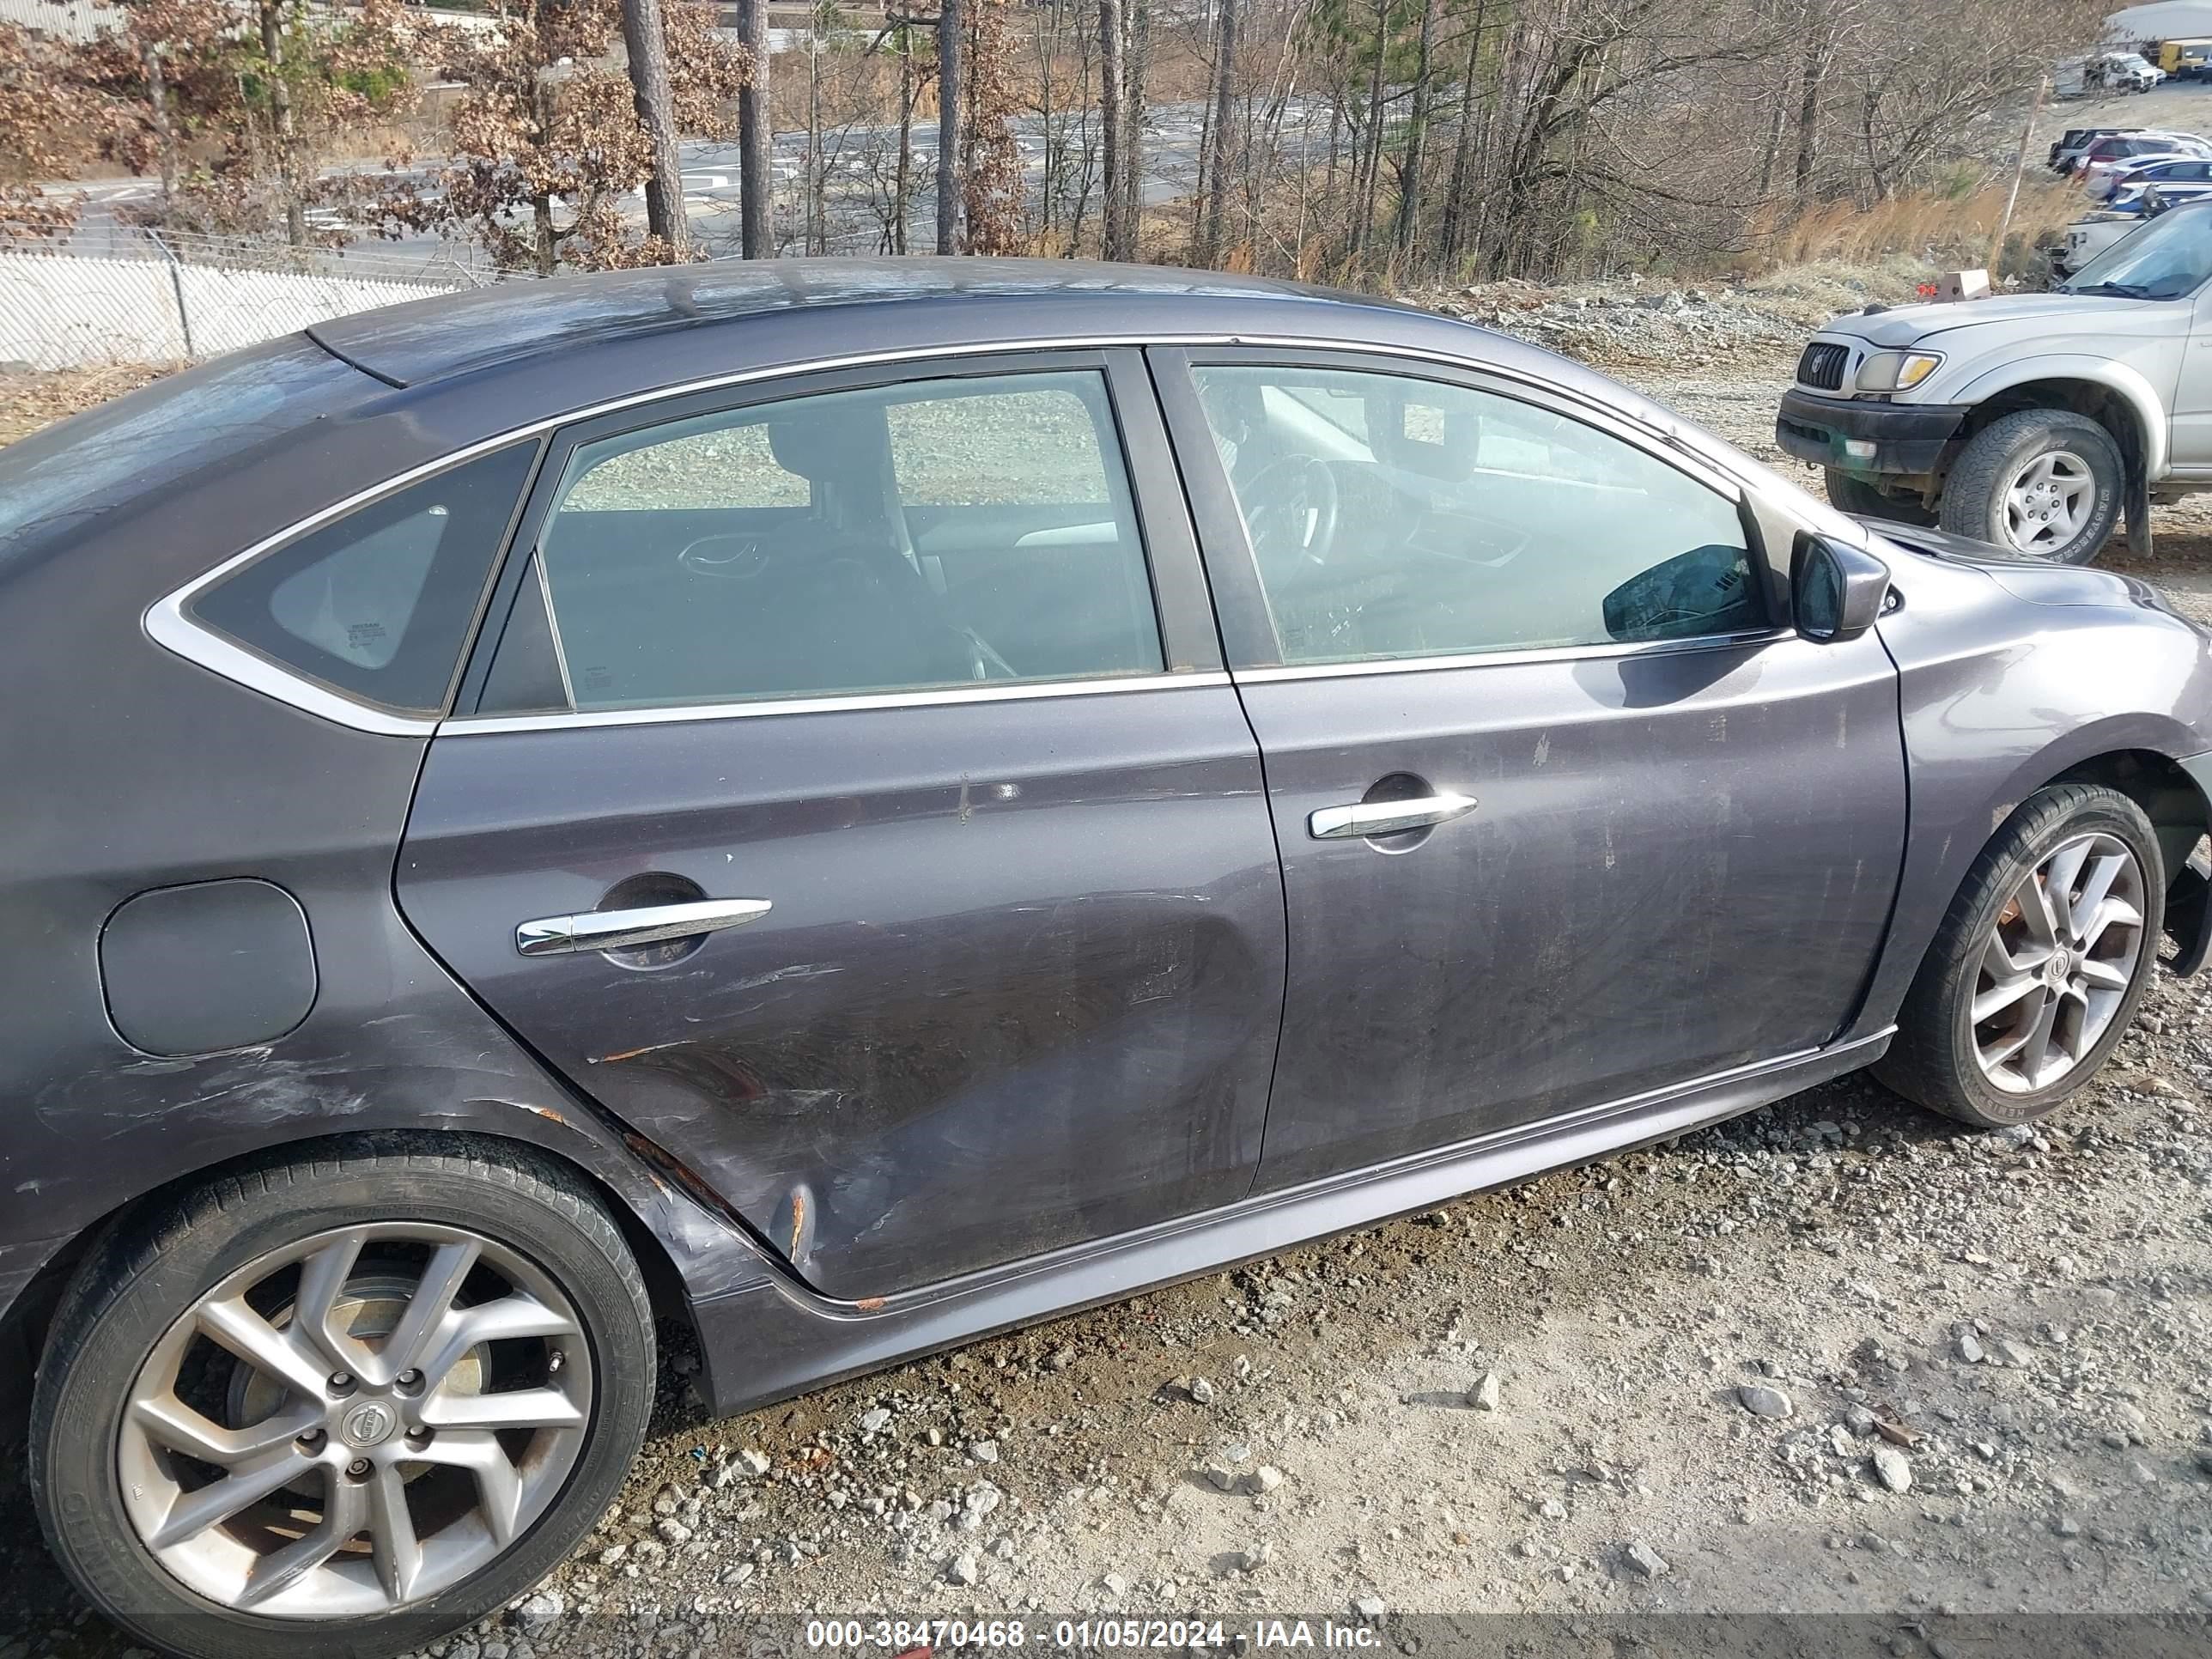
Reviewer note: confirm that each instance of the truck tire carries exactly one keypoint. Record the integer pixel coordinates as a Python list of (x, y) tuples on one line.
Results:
[(2043, 484), (1849, 494)]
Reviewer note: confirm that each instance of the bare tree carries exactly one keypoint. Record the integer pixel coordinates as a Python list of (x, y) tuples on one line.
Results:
[(1417, 129), (646, 45), (1113, 104), (1224, 150), (1136, 68), (755, 136), (951, 187)]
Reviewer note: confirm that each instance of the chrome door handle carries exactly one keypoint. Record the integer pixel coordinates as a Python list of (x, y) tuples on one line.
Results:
[(1386, 817), (620, 930)]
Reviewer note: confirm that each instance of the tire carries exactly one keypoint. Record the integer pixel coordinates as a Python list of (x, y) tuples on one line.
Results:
[(544, 1243), (1935, 1058), (2004, 456), (1849, 494)]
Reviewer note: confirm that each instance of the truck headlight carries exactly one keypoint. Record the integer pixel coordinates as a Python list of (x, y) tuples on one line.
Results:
[(1896, 371)]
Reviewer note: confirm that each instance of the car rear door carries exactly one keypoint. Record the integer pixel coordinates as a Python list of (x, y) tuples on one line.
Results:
[(852, 801), (1566, 815)]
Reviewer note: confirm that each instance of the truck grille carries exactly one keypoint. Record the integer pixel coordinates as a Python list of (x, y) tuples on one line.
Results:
[(1823, 366)]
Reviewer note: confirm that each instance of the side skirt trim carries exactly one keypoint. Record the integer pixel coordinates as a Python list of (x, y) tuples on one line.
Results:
[(773, 1339)]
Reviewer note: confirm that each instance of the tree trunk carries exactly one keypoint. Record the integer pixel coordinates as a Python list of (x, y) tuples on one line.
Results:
[(1366, 174), (1417, 127), (1815, 69), (756, 138), (1114, 240), (817, 207), (1136, 65), (646, 44), (903, 173), (280, 122), (951, 187), (1454, 233), (541, 219), (1225, 141), (165, 135)]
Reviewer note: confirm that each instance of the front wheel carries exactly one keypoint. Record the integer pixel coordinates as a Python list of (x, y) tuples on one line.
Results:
[(2043, 484), (341, 1406), (2038, 965)]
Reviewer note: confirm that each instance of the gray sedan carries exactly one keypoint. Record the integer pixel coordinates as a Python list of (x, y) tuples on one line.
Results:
[(848, 807)]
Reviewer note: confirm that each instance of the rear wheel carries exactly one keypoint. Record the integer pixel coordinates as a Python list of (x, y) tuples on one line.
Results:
[(2044, 484), (341, 1406), (2039, 964), (1849, 494)]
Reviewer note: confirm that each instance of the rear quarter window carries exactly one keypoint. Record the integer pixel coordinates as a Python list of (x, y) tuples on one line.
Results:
[(377, 603)]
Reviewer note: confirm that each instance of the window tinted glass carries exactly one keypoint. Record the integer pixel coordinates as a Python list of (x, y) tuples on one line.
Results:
[(379, 603), (1394, 517), (936, 533)]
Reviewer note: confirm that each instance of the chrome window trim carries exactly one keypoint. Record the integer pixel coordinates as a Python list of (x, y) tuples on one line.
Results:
[(1335, 671), (1014, 691), (168, 623)]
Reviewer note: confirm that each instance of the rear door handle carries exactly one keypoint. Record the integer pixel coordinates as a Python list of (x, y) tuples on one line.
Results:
[(1386, 817), (620, 930)]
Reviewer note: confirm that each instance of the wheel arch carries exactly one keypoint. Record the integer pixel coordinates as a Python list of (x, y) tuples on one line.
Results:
[(2169, 797), (2114, 395), (25, 1322)]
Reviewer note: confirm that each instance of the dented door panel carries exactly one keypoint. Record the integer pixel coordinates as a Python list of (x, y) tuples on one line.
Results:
[(1020, 985), (1679, 862)]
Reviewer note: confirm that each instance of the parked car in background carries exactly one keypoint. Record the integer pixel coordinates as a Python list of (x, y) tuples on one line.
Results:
[(850, 806), (2071, 143), (2121, 148), (2164, 197), (2181, 59), (2107, 178), (2122, 71), (2087, 237), (2029, 420)]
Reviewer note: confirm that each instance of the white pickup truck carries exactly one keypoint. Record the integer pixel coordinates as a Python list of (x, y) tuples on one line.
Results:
[(2035, 420)]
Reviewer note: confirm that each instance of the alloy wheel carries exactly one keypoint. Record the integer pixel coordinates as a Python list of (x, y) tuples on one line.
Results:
[(2048, 502), (2057, 964), (355, 1422)]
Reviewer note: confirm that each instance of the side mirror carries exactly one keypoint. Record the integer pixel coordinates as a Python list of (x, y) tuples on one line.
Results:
[(1836, 590)]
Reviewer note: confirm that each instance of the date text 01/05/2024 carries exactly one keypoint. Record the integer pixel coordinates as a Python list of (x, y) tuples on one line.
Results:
[(910, 1639)]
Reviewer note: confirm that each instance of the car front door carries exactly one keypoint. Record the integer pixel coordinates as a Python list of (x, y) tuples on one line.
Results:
[(853, 802), (1566, 814)]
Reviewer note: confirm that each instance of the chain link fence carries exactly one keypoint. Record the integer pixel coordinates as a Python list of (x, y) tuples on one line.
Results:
[(119, 293)]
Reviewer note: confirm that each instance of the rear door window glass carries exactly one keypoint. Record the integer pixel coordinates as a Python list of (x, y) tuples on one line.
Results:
[(934, 533)]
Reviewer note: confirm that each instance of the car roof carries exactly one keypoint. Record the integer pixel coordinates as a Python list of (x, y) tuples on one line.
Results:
[(513, 321)]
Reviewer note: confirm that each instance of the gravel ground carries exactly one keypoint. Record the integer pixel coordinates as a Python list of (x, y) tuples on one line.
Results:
[(1835, 1356)]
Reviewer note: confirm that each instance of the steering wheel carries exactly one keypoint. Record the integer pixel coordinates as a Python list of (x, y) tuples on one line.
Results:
[(1292, 510)]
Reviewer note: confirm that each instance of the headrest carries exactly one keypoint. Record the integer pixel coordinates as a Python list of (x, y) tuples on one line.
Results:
[(828, 442)]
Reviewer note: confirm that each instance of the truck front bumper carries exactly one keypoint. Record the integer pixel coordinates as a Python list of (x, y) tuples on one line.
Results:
[(1853, 436)]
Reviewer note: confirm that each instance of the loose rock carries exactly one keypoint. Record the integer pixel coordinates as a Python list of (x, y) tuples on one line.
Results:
[(1892, 1469), (1761, 1400)]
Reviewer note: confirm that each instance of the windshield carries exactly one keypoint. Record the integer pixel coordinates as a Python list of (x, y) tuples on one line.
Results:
[(2167, 260)]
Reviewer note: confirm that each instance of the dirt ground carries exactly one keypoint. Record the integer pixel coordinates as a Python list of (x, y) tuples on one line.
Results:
[(1992, 1355)]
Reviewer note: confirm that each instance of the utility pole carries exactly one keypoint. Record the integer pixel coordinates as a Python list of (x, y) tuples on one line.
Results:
[(755, 137), (2018, 167), (646, 42)]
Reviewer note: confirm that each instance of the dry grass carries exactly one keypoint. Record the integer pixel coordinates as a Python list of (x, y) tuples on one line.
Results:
[(1948, 229)]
